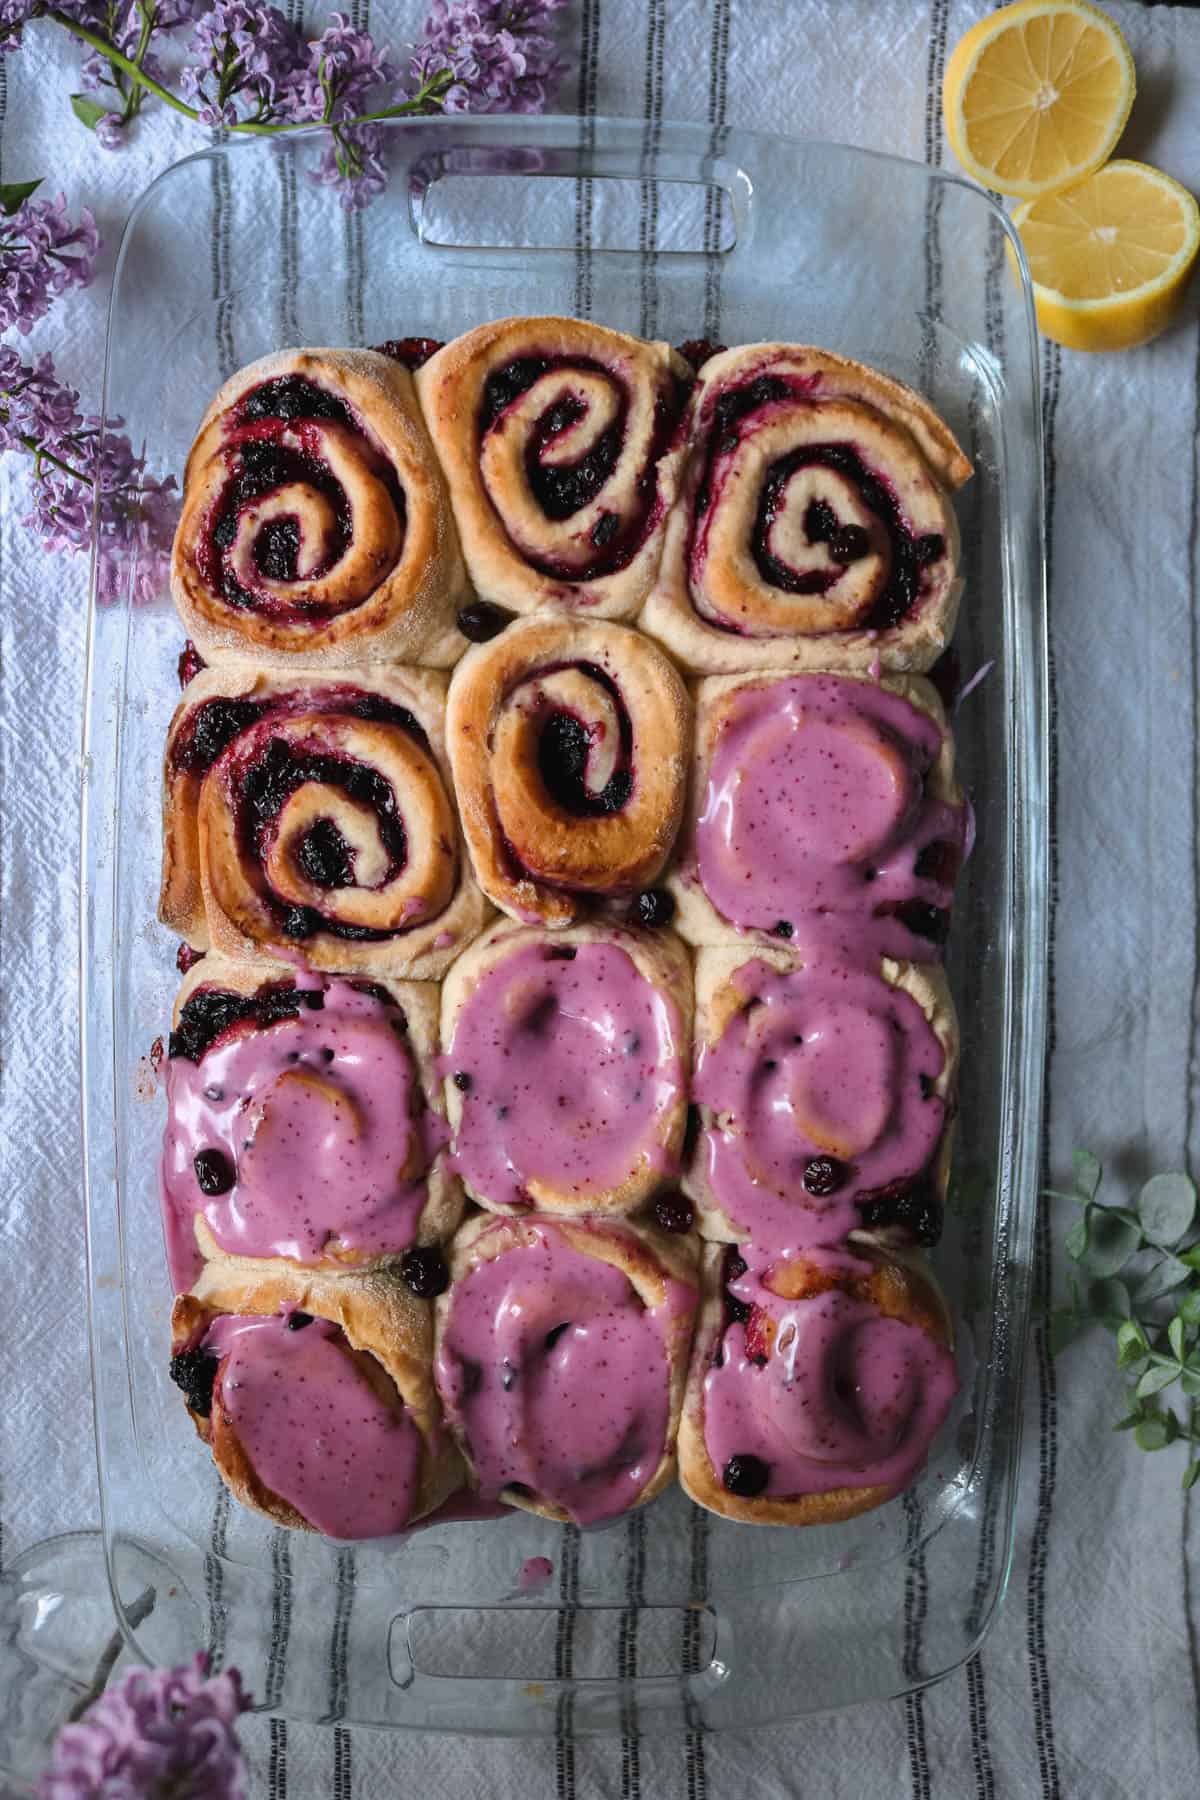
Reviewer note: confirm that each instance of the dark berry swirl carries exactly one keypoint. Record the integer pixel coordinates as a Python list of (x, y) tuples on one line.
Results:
[(561, 441), (568, 744)]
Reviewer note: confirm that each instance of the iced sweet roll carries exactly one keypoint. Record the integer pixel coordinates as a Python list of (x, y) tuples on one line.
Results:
[(316, 528), (823, 813), (569, 744), (315, 1394), (305, 1120), (817, 1385), (826, 1096), (561, 445), (814, 528), (565, 1055), (315, 813), (562, 1351)]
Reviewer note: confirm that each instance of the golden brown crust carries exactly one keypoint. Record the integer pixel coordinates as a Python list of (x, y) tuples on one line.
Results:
[(408, 571), (646, 1256), (902, 1287), (662, 961), (534, 858), (420, 1003), (380, 1318), (774, 628), (203, 855), (493, 504), (696, 918), (719, 1000)]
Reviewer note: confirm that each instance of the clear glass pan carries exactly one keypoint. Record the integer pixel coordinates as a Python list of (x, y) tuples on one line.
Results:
[(671, 1616)]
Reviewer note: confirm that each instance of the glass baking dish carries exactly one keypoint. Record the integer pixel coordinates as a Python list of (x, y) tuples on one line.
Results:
[(670, 1617)]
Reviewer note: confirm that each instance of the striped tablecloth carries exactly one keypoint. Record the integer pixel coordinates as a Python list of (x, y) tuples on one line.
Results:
[(1087, 1684)]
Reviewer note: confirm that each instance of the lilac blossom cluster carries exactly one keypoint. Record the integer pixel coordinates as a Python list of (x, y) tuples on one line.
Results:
[(497, 51), (78, 464), (157, 1732), (42, 254)]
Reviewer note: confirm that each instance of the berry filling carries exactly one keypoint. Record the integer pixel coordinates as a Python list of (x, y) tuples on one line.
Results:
[(482, 621), (291, 397), (209, 1013), (674, 1212), (424, 1270), (325, 856), (195, 1371), (190, 663), (565, 747), (910, 1208), (654, 907), (213, 725), (411, 351), (745, 1476)]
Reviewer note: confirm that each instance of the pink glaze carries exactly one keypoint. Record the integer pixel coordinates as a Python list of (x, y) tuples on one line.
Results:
[(573, 1071), (323, 1120), (816, 805), (846, 1398), (828, 1062), (535, 1573), (313, 1427), (582, 1420)]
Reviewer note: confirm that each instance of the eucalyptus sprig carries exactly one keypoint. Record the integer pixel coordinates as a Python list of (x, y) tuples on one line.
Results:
[(1140, 1280)]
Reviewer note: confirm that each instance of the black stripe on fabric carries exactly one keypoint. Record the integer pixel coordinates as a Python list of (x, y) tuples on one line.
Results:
[(289, 328), (281, 1616), (277, 1766), (222, 262), (343, 1767), (1189, 1101), (981, 1753), (718, 72), (352, 228), (694, 1771), (651, 139), (627, 1653), (916, 1597), (214, 1579), (1039, 1674), (339, 1637), (564, 1664), (589, 42)]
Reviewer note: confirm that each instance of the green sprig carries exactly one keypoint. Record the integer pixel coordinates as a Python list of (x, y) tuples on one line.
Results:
[(1140, 1280)]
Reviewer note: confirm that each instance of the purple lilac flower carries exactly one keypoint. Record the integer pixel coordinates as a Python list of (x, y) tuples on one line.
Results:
[(166, 1734), (42, 255), (497, 50), (243, 52), (354, 162), (342, 68), (76, 466)]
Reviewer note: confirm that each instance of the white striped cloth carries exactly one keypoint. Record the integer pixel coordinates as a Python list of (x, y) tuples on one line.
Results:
[(1087, 1684)]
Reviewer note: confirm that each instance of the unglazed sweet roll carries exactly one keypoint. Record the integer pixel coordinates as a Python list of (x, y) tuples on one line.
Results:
[(817, 1384), (315, 1394), (826, 1098), (566, 1061), (562, 1350), (560, 440), (814, 527), (315, 813), (569, 746), (305, 1119), (824, 813), (316, 527)]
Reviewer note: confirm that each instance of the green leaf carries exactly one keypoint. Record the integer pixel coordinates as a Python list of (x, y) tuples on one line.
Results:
[(1189, 1307), (1191, 1475), (1167, 1206), (1166, 1274), (1175, 1336), (1156, 1378), (1151, 1433), (15, 193), (1128, 1422), (1189, 1381), (1076, 1240), (1065, 1325), (1108, 1301), (1087, 1171), (89, 112), (1111, 1242), (1191, 1257), (1132, 1344)]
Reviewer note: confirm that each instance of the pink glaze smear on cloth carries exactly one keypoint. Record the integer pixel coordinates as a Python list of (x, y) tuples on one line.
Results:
[(313, 1427), (847, 1398), (815, 809), (324, 1122), (826, 1062), (572, 1067), (556, 1374)]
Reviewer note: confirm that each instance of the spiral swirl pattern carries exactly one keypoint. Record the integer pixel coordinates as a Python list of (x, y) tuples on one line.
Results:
[(813, 528), (568, 744), (315, 519), (560, 441)]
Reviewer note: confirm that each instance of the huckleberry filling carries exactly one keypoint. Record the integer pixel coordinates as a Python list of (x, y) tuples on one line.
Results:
[(212, 726), (674, 1212), (654, 907), (210, 1012), (291, 397), (745, 1476), (481, 621), (411, 351), (910, 1207), (565, 747), (195, 1371), (424, 1270)]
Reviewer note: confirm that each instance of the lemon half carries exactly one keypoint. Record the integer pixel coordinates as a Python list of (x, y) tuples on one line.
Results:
[(1037, 94)]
